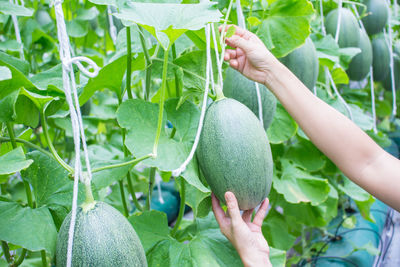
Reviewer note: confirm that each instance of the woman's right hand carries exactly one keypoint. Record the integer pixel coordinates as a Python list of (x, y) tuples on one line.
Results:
[(250, 56)]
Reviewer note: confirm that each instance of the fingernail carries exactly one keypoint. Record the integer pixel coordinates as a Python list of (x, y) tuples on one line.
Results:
[(228, 196)]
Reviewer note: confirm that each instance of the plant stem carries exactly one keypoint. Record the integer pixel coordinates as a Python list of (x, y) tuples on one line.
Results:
[(88, 194), (7, 139), (51, 147), (128, 62), (20, 258), (44, 258), (162, 100), (151, 186), (131, 162), (181, 209), (132, 192), (177, 87), (6, 251), (121, 188), (148, 64), (14, 145)]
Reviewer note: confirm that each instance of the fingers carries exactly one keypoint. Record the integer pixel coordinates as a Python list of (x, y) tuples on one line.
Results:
[(233, 207), (218, 211), (261, 213), (230, 54), (247, 215), (238, 42)]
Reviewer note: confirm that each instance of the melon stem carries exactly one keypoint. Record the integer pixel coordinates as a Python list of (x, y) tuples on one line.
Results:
[(89, 194)]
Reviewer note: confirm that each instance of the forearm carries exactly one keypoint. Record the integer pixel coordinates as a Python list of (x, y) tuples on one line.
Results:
[(333, 133)]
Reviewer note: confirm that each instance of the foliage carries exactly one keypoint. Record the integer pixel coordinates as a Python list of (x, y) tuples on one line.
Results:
[(125, 99)]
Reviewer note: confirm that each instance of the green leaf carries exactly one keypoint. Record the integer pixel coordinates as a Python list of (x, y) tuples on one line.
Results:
[(10, 45), (208, 247), (18, 70), (77, 29), (306, 155), (276, 231), (167, 28), (140, 119), (286, 26), (50, 182), (339, 76), (282, 128), (110, 77), (353, 190), (277, 257), (13, 9), (104, 2), (32, 229), (14, 161), (49, 80), (26, 112), (197, 200), (40, 101), (297, 186), (151, 227), (5, 73), (365, 207), (7, 107), (368, 247)]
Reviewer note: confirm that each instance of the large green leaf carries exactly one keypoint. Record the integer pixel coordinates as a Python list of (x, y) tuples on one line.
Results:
[(298, 186), (277, 257), (49, 79), (14, 161), (151, 227), (306, 155), (12, 9), (50, 182), (276, 231), (353, 190), (166, 22), (282, 128), (286, 25), (18, 70), (32, 229), (207, 248), (140, 119)]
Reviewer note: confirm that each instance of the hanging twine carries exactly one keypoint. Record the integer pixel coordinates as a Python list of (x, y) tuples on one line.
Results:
[(76, 117), (182, 168), (371, 74), (113, 29), (17, 31), (390, 44)]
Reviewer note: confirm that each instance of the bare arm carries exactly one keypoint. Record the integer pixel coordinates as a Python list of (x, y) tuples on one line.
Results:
[(352, 150)]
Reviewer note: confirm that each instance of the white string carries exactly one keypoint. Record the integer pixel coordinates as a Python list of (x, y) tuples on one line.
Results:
[(327, 72), (76, 118), (339, 21), (217, 59), (182, 168), (322, 17), (17, 32), (390, 44), (113, 29), (371, 74), (242, 24)]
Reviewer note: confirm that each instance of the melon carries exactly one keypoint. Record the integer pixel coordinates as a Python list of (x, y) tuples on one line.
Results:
[(377, 16), (102, 237), (349, 31), (360, 65), (234, 153), (303, 62), (238, 87), (381, 58)]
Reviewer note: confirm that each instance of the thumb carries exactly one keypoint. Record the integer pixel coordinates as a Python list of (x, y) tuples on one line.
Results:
[(238, 42), (233, 207)]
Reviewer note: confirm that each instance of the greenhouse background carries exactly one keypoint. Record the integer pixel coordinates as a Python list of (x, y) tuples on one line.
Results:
[(102, 106)]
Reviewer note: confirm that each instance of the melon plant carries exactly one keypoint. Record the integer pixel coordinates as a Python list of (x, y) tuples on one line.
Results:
[(381, 57), (102, 237), (360, 65), (238, 87), (303, 62), (376, 17), (234, 153), (349, 31)]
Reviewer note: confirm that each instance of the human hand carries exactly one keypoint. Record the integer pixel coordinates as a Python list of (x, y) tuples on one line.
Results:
[(246, 236), (250, 55)]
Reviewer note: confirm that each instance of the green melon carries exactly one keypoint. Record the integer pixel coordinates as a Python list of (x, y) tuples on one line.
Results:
[(381, 58), (303, 62), (238, 87), (234, 153), (102, 237), (377, 16), (360, 65), (349, 34), (387, 83)]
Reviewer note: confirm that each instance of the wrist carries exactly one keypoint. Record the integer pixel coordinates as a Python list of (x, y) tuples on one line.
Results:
[(274, 74), (256, 259)]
